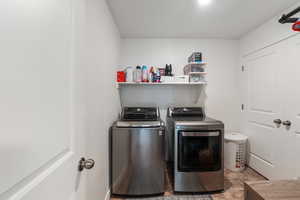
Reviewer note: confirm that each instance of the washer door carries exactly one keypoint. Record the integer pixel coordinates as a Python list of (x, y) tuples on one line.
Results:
[(199, 151), (137, 161)]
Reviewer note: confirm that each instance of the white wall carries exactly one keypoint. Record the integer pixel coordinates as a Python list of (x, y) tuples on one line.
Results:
[(102, 51), (267, 34), (221, 97)]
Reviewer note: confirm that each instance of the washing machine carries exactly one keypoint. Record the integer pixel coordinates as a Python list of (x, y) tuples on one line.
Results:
[(137, 165)]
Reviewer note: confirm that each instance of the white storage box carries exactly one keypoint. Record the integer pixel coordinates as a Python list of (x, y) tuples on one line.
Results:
[(199, 67), (235, 151), (175, 79)]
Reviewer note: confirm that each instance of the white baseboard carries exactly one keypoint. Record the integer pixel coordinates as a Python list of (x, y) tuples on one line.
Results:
[(107, 196)]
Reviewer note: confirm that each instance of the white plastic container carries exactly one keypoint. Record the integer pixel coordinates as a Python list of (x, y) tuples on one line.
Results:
[(137, 77), (144, 73), (235, 151), (129, 74)]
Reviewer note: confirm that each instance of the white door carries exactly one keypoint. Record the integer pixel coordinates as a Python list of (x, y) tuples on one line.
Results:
[(290, 144), (262, 107), (41, 138)]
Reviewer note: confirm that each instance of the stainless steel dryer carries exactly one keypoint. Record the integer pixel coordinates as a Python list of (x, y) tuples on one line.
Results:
[(137, 152), (195, 150)]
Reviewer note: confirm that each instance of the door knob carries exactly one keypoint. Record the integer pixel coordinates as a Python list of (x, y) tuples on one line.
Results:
[(277, 121), (85, 164), (287, 123)]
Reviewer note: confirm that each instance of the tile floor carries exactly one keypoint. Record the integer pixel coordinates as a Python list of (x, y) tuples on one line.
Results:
[(234, 185)]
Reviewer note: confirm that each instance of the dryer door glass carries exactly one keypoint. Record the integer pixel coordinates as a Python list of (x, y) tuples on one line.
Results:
[(199, 151)]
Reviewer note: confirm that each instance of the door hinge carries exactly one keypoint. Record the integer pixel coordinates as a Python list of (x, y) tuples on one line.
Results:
[(242, 106), (243, 68)]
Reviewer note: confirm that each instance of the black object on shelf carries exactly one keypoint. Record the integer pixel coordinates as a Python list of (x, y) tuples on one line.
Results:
[(287, 18), (168, 70)]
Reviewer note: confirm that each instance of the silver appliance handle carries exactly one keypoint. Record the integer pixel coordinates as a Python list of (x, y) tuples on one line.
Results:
[(200, 134)]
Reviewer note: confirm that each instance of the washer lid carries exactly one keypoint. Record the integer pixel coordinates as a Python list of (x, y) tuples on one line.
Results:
[(140, 114), (139, 124), (235, 137), (186, 112)]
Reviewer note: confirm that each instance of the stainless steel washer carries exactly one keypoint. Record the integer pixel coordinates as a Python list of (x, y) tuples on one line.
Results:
[(137, 153), (195, 150)]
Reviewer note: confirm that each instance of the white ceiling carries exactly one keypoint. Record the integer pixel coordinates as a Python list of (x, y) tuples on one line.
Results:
[(185, 18)]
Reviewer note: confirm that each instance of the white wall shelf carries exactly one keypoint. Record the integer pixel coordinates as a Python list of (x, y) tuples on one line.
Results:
[(163, 83), (170, 93)]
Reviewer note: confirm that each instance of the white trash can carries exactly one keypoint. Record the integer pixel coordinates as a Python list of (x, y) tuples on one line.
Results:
[(235, 151)]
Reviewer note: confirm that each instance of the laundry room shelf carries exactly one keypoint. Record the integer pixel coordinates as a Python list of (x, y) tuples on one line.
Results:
[(157, 84), (197, 63)]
